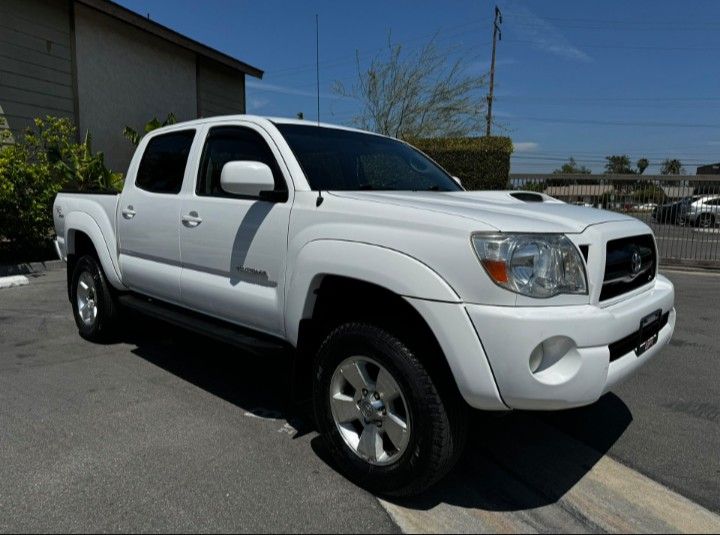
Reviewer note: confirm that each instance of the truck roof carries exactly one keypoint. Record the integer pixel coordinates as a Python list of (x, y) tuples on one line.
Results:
[(259, 119)]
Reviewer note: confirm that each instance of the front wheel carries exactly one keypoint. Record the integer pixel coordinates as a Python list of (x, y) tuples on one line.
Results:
[(381, 415), (94, 306)]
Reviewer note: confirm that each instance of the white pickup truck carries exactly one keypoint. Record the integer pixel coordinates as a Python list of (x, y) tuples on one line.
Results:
[(408, 299)]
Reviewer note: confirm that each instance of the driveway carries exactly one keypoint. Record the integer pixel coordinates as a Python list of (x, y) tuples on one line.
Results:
[(167, 431)]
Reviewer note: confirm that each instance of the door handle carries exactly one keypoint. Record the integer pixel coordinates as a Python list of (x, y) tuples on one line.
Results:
[(191, 220), (129, 212)]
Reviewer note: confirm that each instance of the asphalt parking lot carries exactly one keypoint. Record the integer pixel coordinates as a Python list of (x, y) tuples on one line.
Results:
[(167, 431)]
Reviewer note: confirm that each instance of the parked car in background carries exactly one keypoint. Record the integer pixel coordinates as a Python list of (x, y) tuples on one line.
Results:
[(703, 212), (671, 212), (646, 207)]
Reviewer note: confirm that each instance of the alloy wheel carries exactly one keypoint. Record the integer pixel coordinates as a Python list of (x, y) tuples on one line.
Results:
[(87, 298), (370, 410)]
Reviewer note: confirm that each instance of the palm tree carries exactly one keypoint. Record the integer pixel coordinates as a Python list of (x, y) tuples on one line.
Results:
[(672, 167)]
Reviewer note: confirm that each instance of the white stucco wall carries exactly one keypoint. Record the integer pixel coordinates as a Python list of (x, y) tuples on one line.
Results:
[(126, 76)]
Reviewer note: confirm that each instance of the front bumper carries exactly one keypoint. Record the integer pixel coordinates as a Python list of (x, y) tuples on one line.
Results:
[(575, 366)]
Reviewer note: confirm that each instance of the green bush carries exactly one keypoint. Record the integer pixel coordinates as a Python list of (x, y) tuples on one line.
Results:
[(44, 160), (479, 162)]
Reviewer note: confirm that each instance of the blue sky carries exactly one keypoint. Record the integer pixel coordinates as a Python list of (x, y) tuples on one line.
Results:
[(574, 78)]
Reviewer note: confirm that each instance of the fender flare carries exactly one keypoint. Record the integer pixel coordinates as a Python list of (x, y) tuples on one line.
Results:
[(82, 222), (393, 270)]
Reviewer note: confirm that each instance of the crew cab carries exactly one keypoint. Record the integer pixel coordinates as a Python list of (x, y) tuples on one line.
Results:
[(407, 299)]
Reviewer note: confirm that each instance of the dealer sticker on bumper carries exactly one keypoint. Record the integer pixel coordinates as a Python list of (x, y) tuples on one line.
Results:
[(649, 332)]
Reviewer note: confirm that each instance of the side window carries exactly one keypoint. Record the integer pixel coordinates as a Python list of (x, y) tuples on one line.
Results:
[(230, 144), (162, 167)]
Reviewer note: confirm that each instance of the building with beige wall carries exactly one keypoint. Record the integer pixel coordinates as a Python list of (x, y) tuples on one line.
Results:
[(106, 67)]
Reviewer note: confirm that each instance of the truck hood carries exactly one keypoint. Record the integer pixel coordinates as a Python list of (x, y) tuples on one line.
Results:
[(498, 209)]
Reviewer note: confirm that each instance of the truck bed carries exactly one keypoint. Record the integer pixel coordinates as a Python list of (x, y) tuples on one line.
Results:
[(100, 207)]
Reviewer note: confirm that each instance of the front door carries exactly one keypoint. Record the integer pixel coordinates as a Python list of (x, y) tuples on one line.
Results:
[(234, 248), (149, 217)]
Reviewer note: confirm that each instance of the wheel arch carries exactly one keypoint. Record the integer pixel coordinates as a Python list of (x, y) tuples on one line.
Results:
[(382, 267), (360, 282), (84, 236)]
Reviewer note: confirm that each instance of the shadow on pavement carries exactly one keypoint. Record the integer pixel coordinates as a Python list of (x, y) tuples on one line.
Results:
[(251, 383), (512, 462), (527, 460)]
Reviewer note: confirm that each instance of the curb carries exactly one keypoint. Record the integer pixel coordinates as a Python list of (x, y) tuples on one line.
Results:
[(14, 281), (8, 270)]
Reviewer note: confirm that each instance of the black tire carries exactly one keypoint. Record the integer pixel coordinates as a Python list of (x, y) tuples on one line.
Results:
[(439, 422), (105, 321), (706, 221)]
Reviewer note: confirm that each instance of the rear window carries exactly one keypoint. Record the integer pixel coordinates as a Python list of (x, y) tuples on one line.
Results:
[(162, 167)]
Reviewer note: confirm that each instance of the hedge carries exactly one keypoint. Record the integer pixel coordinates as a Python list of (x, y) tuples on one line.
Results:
[(479, 162)]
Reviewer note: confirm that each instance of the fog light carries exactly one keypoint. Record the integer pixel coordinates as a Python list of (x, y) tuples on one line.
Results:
[(555, 361)]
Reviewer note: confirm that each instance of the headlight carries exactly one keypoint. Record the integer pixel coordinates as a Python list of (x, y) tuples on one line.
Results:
[(536, 265)]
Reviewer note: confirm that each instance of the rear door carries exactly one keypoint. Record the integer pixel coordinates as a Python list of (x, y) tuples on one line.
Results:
[(149, 216), (234, 248)]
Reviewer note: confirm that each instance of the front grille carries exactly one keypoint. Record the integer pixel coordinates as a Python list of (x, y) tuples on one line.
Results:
[(630, 263), (631, 342)]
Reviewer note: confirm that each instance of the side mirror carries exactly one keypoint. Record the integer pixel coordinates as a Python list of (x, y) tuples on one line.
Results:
[(456, 179), (246, 178)]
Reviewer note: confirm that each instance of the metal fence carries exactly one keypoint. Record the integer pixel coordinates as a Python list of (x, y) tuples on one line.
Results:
[(682, 210)]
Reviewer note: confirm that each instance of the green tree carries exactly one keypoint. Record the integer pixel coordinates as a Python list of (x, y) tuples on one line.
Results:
[(648, 192), (672, 167), (571, 167), (642, 164), (619, 165), (134, 136), (417, 95)]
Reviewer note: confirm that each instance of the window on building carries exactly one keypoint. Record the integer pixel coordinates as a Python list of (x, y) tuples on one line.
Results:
[(162, 167)]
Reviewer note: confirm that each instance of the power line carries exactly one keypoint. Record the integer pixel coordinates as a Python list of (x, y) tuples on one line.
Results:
[(615, 123), (613, 27), (627, 47), (345, 59), (590, 99), (634, 22)]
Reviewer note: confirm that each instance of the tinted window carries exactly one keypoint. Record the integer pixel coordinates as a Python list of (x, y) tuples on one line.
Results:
[(713, 202), (334, 159), (162, 167), (232, 144)]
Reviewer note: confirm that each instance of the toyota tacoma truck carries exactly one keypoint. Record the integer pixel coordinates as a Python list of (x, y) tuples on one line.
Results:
[(405, 298)]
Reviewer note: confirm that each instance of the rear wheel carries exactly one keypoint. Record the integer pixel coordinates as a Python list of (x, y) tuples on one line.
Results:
[(380, 413), (706, 221), (93, 301)]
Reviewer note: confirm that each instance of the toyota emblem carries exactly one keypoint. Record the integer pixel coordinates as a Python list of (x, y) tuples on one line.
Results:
[(636, 263)]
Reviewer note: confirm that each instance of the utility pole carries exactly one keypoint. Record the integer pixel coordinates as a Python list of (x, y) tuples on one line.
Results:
[(497, 35)]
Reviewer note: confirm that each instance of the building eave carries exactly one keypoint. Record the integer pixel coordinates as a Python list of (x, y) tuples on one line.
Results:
[(130, 17)]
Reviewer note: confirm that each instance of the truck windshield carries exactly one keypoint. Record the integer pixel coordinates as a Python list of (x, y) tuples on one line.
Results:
[(335, 159)]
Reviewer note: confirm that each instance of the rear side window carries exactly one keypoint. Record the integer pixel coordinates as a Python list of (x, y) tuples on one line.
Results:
[(231, 144), (162, 167)]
